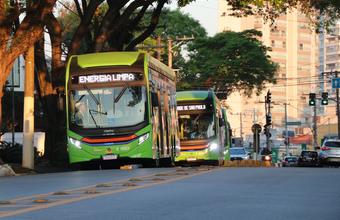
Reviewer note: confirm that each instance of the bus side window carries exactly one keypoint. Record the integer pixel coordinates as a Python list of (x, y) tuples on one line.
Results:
[(154, 99)]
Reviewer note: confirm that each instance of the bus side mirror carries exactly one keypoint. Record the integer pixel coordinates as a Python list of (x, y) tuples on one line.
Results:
[(154, 99)]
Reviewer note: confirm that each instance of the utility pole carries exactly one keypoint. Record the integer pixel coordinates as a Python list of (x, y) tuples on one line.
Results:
[(28, 130), (286, 127), (240, 114), (286, 136), (337, 105), (315, 129), (253, 113), (268, 119), (335, 76), (170, 47)]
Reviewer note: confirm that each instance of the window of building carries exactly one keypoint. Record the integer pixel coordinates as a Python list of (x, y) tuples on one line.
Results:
[(303, 57), (301, 47)]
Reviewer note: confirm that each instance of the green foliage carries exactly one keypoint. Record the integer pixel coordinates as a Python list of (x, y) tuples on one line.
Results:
[(178, 24), (229, 61), (10, 153)]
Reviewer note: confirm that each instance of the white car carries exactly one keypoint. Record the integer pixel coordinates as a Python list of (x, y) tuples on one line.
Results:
[(238, 153), (330, 153)]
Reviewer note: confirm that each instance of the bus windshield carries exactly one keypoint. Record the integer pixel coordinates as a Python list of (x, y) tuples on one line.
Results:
[(96, 108), (197, 126)]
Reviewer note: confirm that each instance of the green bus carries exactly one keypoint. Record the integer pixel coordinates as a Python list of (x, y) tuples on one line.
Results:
[(121, 109), (204, 133)]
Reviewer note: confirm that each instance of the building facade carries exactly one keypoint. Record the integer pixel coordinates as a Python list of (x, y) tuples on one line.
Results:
[(296, 49)]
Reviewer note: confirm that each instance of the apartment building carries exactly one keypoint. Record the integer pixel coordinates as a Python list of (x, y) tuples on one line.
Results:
[(296, 49)]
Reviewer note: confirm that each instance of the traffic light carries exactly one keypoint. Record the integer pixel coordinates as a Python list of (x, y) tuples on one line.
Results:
[(269, 120), (265, 129), (269, 97), (312, 99), (324, 100)]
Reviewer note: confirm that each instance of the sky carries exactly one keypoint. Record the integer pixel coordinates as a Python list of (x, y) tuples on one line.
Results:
[(205, 11)]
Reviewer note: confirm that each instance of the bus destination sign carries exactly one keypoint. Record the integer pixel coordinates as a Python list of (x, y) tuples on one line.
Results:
[(103, 78), (191, 107)]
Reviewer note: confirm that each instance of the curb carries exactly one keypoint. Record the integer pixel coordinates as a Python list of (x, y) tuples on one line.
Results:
[(248, 163)]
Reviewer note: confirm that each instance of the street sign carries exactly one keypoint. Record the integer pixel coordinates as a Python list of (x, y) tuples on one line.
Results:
[(254, 127), (335, 83), (294, 123)]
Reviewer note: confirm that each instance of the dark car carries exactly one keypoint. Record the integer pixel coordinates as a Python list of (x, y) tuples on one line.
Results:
[(308, 158), (289, 161)]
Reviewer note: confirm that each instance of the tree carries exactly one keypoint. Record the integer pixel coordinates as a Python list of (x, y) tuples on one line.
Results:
[(99, 28), (178, 24), (229, 61), (16, 37), (316, 10)]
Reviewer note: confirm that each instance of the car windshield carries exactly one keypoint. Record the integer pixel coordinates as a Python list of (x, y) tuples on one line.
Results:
[(332, 144), (309, 153), (107, 107), (237, 151), (291, 159), (197, 126)]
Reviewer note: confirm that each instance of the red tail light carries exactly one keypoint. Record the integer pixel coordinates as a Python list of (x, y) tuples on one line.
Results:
[(325, 148), (300, 156)]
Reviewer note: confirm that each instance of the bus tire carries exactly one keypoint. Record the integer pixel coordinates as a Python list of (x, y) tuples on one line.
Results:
[(215, 162), (88, 166)]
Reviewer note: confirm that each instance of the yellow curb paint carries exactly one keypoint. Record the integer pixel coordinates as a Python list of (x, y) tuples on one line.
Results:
[(5, 202), (41, 201)]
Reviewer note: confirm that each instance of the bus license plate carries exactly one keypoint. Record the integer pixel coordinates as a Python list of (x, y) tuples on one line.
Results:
[(191, 159), (109, 157)]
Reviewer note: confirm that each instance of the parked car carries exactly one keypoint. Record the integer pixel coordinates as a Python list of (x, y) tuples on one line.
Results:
[(238, 153), (330, 153), (289, 161), (308, 158)]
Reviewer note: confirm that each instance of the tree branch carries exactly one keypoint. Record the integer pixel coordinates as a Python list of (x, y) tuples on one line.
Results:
[(151, 28)]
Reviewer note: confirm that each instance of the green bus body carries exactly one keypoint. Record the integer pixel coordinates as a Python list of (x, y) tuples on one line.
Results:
[(121, 108), (204, 133)]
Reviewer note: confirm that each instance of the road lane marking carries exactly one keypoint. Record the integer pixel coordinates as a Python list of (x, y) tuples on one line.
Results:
[(78, 194)]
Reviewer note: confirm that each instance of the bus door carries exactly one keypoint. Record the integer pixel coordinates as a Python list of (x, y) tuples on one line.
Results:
[(162, 140), (167, 134), (220, 134)]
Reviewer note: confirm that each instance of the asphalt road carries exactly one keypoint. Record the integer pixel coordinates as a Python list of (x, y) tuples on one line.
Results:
[(174, 193)]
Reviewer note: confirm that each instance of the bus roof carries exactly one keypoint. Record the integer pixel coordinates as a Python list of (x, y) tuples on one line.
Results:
[(192, 95), (107, 59)]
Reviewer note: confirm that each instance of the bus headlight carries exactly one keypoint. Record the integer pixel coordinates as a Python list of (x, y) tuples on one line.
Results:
[(143, 138), (75, 142), (213, 146)]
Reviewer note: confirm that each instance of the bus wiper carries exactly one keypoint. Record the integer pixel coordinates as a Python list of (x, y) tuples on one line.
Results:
[(91, 94), (121, 93), (93, 118), (81, 97), (102, 113)]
